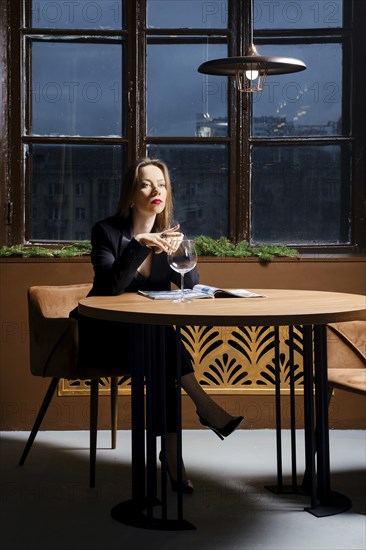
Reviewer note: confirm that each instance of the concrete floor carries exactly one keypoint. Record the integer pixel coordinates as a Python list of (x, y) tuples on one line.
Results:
[(48, 505)]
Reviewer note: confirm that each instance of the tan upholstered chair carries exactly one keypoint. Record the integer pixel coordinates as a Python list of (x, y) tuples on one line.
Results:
[(346, 345), (54, 353)]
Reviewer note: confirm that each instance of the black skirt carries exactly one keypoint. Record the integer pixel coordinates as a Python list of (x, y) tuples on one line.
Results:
[(124, 347)]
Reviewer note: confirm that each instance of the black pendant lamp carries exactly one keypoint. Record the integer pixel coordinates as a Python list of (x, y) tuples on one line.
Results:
[(251, 70)]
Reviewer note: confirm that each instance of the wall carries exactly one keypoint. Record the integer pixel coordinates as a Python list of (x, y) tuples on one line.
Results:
[(21, 393)]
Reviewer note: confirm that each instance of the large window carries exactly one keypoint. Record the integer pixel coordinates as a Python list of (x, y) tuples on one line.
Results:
[(94, 85)]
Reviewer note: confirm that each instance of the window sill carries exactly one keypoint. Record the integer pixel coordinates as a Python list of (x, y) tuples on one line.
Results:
[(303, 258)]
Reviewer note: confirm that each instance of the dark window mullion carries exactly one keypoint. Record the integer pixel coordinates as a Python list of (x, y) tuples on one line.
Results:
[(68, 39), (186, 40), (14, 232), (300, 40), (188, 140), (28, 170), (347, 72), (79, 33), (75, 139), (186, 32), (301, 34), (141, 98), (358, 18), (311, 140), (27, 87), (131, 82), (241, 104)]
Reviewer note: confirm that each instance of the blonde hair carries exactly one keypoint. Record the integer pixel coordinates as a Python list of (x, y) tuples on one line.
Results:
[(130, 185)]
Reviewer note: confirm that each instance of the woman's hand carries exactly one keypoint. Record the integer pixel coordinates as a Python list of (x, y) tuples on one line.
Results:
[(166, 241)]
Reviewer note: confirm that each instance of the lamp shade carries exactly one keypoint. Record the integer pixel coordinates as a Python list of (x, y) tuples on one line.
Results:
[(271, 65), (252, 69)]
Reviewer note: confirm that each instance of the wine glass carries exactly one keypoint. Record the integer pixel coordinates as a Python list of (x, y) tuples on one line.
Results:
[(182, 259)]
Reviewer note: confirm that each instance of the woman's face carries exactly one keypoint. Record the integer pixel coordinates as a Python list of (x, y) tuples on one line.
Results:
[(151, 193)]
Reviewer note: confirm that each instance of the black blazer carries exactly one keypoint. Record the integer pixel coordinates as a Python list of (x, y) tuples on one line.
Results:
[(116, 255)]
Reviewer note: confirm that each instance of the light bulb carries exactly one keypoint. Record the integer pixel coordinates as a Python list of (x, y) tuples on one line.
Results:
[(251, 75)]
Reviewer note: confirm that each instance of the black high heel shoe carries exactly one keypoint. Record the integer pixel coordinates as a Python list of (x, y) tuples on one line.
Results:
[(187, 485), (228, 429)]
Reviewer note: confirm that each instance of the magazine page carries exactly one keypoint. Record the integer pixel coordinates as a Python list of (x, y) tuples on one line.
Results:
[(173, 294), (222, 293), (241, 293), (206, 289)]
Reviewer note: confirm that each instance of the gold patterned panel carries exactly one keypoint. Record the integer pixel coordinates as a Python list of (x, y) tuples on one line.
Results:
[(227, 360), (241, 360), (82, 387)]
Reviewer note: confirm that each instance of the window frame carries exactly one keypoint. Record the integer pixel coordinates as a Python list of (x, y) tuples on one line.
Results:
[(352, 48), (14, 182)]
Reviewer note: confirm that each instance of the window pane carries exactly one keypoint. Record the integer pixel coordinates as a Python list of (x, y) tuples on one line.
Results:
[(80, 14), (181, 101), (308, 103), (300, 195), (187, 14), (73, 186), (302, 14), (76, 89), (199, 175)]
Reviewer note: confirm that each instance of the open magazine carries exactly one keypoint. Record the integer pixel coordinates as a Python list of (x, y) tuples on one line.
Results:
[(200, 291)]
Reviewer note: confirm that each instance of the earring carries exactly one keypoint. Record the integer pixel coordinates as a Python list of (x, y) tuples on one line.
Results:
[(132, 204)]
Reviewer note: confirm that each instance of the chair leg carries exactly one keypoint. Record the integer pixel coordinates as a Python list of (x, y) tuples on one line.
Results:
[(41, 413), (94, 387), (114, 410), (330, 393)]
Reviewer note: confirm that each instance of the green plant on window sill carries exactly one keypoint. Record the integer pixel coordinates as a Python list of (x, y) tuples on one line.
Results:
[(205, 246), (222, 247), (24, 251)]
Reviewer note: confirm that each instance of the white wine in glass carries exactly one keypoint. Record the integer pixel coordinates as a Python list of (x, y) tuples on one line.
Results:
[(182, 260)]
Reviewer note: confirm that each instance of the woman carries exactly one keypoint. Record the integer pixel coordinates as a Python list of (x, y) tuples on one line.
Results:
[(129, 253)]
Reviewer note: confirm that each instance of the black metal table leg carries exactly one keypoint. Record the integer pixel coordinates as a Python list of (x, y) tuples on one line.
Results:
[(162, 399), (279, 487), (130, 512), (139, 511), (316, 483), (151, 419), (282, 488), (168, 523), (330, 502), (187, 525), (294, 487), (309, 423)]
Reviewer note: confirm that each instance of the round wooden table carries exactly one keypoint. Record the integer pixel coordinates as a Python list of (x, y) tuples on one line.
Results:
[(279, 307)]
